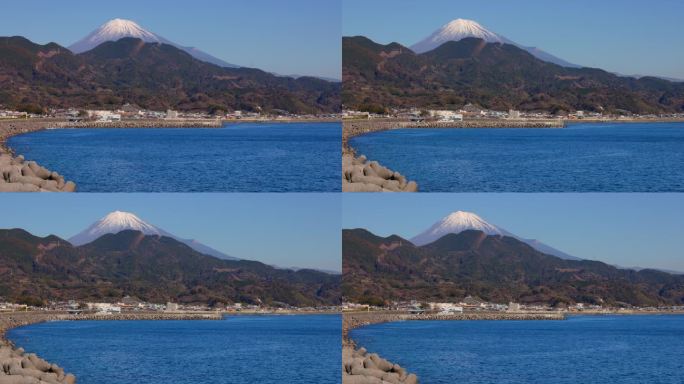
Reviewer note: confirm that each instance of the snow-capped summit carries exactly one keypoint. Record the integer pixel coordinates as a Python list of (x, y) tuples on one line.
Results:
[(117, 29), (114, 30), (456, 222), (460, 221), (118, 221), (456, 30), (460, 29)]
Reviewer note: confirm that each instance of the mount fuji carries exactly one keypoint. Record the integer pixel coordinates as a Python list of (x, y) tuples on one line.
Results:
[(460, 29), (118, 221), (117, 29), (460, 221)]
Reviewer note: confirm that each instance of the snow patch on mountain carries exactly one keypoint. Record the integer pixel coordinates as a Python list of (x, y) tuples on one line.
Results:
[(460, 29), (117, 29), (460, 221), (118, 221)]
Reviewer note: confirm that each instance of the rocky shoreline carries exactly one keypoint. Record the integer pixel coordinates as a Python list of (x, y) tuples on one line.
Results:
[(19, 367), (360, 366), (361, 175)]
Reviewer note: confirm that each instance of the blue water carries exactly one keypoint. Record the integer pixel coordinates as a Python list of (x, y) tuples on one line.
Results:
[(638, 157), (242, 349), (288, 157), (587, 350)]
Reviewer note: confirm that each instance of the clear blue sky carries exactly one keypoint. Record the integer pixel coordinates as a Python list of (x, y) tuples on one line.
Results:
[(624, 36), (288, 230), (644, 230), (286, 37)]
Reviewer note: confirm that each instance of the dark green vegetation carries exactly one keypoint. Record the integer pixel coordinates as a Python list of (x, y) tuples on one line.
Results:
[(493, 268), (153, 268), (152, 76), (494, 76)]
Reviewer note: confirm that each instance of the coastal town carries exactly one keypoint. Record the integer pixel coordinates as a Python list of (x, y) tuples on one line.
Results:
[(133, 112), (134, 305)]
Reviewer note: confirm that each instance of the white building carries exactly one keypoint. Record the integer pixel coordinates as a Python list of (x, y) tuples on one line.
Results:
[(446, 115), (513, 307), (446, 308), (171, 307), (101, 115), (171, 114), (513, 114), (104, 307)]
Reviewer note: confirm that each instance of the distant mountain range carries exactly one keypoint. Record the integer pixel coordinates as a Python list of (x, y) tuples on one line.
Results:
[(118, 221), (492, 75), (459, 221), (152, 267), (494, 268), (117, 29), (155, 76), (460, 29)]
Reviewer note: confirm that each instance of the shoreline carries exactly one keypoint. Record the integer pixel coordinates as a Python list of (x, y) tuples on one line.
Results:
[(361, 175), (360, 366), (18, 366), (357, 127), (20, 175)]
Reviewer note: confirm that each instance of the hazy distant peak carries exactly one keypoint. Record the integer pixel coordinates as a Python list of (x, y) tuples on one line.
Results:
[(117, 29), (118, 221), (459, 29), (460, 221)]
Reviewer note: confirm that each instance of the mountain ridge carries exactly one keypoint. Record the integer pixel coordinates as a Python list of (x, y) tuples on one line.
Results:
[(151, 267), (492, 76), (494, 268), (151, 75)]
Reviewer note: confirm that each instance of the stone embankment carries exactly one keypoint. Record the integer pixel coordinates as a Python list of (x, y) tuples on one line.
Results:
[(355, 357), (19, 367), (214, 123), (361, 175), (353, 128)]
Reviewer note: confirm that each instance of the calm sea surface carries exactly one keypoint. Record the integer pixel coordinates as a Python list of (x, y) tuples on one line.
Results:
[(242, 349), (582, 349), (639, 157), (236, 158)]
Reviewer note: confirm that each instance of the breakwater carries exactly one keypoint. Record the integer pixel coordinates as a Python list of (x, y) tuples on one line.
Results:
[(19, 367), (360, 366), (361, 175)]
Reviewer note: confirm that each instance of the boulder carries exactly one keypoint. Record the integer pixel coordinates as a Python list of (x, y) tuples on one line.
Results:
[(69, 186), (411, 186), (38, 170)]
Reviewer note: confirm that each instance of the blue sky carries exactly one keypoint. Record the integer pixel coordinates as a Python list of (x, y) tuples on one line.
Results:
[(642, 230), (286, 37), (300, 230), (624, 36)]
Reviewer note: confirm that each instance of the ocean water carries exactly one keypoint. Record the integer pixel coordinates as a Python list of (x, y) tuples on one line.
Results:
[(638, 157), (581, 349), (240, 349), (286, 157)]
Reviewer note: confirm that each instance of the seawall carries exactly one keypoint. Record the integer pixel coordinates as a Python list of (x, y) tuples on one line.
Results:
[(20, 367)]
